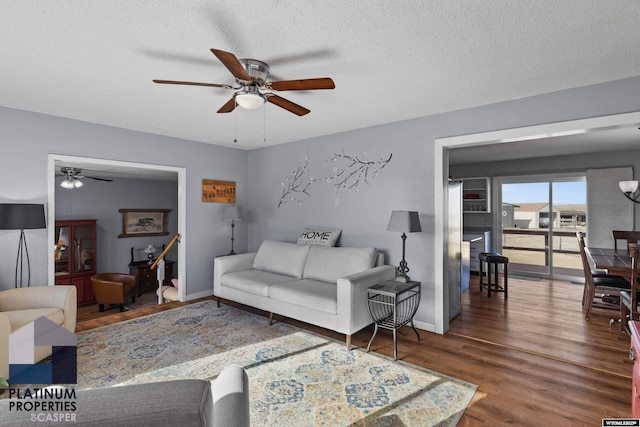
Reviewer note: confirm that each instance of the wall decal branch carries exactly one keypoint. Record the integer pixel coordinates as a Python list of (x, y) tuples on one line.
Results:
[(356, 171), (295, 187)]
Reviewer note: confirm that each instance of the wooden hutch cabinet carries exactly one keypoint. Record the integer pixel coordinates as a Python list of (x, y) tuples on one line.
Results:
[(75, 256)]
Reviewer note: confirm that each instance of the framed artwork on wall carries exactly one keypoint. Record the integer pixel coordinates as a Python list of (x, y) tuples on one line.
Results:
[(144, 222), (218, 191)]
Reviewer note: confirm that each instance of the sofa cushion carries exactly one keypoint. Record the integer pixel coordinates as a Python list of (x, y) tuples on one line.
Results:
[(20, 318), (307, 293), (329, 264), (281, 257), (253, 281)]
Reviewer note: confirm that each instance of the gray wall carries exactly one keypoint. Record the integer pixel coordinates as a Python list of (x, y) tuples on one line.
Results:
[(101, 200), (407, 182), (27, 139)]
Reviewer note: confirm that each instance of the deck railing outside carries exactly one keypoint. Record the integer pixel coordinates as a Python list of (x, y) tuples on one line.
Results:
[(532, 246)]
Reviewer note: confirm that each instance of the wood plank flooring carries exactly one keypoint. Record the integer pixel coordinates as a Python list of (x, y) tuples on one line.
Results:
[(536, 360)]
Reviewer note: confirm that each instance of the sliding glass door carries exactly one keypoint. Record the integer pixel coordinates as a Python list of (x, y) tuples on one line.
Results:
[(539, 221)]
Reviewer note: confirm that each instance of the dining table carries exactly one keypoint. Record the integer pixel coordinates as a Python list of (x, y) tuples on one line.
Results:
[(614, 261)]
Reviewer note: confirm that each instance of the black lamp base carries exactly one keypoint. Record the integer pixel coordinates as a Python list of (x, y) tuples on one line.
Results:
[(232, 238), (403, 268), (23, 252)]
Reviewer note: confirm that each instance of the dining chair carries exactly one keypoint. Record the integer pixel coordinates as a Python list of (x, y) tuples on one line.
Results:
[(628, 236), (629, 299), (598, 282)]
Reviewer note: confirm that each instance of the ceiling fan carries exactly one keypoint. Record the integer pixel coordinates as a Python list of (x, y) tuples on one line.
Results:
[(253, 89), (73, 178)]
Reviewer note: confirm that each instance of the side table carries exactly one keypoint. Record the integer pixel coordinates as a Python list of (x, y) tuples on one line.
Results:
[(146, 280), (392, 305)]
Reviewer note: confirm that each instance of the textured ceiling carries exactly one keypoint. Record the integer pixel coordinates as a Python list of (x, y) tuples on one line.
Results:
[(94, 60)]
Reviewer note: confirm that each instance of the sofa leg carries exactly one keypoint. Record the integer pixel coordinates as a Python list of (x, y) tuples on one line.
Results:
[(218, 298), (101, 308), (270, 318), (121, 306), (348, 342)]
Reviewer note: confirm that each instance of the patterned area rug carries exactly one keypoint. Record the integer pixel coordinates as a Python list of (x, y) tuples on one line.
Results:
[(297, 378)]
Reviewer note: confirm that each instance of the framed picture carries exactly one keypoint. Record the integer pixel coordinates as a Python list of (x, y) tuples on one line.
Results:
[(218, 191), (144, 222)]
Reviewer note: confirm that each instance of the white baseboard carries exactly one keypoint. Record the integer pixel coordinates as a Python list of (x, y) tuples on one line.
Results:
[(200, 295), (429, 327)]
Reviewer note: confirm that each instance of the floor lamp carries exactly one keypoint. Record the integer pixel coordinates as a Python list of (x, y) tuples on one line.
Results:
[(405, 222), (233, 213), (22, 216)]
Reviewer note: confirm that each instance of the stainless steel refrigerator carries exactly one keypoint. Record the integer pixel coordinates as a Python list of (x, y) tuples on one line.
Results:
[(454, 255)]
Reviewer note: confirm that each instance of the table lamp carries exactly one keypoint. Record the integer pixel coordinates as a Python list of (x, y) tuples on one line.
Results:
[(150, 251), (405, 222)]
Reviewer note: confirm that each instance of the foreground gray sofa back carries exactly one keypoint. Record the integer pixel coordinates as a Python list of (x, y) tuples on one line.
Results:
[(223, 403)]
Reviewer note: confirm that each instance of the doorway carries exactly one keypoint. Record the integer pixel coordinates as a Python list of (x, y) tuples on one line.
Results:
[(441, 173), (106, 165), (540, 216)]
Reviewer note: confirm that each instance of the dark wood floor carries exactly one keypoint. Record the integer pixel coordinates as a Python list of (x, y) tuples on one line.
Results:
[(536, 360)]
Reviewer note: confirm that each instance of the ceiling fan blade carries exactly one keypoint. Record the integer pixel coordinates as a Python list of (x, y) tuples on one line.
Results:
[(306, 84), (175, 82), (98, 179), (288, 105), (232, 63), (229, 106)]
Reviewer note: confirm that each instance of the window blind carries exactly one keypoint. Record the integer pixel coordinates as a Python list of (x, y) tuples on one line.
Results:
[(607, 208)]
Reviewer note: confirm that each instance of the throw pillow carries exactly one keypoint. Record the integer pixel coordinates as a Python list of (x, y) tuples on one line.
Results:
[(174, 282), (319, 237)]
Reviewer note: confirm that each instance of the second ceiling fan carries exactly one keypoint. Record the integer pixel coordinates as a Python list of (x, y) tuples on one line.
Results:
[(253, 89)]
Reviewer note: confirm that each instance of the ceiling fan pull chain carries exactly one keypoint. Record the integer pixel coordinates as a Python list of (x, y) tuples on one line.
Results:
[(264, 130), (235, 125)]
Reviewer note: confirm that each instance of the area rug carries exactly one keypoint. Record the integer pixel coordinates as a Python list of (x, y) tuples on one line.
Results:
[(296, 378)]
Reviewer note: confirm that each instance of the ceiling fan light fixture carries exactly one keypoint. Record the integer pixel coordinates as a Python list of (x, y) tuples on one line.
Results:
[(250, 101), (71, 183)]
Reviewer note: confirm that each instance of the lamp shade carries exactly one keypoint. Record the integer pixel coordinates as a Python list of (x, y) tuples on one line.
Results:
[(233, 213), (404, 221), (628, 186), (150, 249), (21, 216)]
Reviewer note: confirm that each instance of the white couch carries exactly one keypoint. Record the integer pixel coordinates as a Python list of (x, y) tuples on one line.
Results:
[(321, 285)]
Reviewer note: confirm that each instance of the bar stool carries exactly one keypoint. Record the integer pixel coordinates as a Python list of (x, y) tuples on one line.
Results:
[(494, 259)]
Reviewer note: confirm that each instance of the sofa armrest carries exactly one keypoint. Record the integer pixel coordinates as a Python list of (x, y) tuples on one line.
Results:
[(230, 393), (62, 297), (353, 313), (229, 264)]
